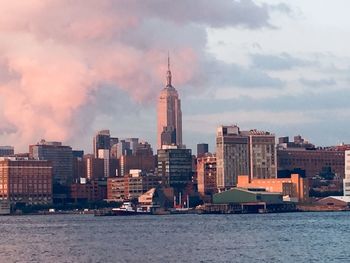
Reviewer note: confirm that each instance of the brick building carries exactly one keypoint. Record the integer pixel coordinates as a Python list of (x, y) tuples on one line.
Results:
[(130, 186), (25, 181)]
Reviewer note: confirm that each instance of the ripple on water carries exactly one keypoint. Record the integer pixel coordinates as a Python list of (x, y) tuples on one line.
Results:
[(291, 237)]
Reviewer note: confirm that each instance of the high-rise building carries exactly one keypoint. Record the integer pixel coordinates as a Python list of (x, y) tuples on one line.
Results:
[(250, 153), (6, 150), (123, 148), (104, 155), (60, 156), (25, 181), (232, 156), (175, 167), (262, 154), (169, 115), (206, 174), (94, 167), (202, 149), (78, 165), (142, 159), (102, 141)]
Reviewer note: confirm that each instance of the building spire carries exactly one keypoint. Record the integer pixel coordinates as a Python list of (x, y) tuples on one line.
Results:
[(168, 74)]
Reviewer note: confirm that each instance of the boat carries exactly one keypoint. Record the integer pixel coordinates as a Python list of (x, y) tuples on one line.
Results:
[(126, 209)]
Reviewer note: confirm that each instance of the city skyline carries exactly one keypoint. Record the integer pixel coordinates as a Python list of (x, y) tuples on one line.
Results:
[(280, 67)]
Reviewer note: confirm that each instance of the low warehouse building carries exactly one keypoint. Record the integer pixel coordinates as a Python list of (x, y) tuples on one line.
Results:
[(241, 195)]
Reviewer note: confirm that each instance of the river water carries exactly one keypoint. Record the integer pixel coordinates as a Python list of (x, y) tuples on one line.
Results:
[(289, 237)]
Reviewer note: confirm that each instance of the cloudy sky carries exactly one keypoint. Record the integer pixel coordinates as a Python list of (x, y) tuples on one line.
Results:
[(70, 68)]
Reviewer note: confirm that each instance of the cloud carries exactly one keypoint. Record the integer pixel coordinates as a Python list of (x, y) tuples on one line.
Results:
[(239, 76), (318, 83), (58, 56), (283, 61)]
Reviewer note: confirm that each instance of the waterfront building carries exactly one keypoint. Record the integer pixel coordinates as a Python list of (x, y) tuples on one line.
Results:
[(311, 159), (336, 202), (130, 186), (175, 167), (232, 156), (60, 156), (202, 149), (101, 141), (169, 115), (206, 174), (346, 181), (294, 189), (90, 191), (159, 197), (25, 181), (244, 152), (262, 154), (7, 151), (240, 195)]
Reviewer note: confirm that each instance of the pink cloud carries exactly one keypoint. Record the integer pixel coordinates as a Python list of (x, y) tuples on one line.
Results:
[(57, 53)]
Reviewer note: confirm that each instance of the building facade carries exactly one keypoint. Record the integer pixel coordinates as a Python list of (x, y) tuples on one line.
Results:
[(61, 158), (6, 151), (131, 186), (295, 188), (90, 191), (244, 152), (202, 149), (206, 174), (312, 160), (101, 141), (25, 181), (232, 156), (262, 154), (169, 115), (175, 167), (346, 181)]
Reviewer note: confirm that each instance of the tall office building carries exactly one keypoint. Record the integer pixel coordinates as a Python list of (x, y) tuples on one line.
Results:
[(262, 154), (250, 153), (202, 149), (102, 140), (175, 167), (169, 115), (60, 156), (232, 156), (104, 155), (206, 174), (6, 150)]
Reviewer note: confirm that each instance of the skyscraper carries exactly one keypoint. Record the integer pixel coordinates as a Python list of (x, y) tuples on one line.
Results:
[(169, 115), (232, 156), (250, 153), (102, 141), (60, 156)]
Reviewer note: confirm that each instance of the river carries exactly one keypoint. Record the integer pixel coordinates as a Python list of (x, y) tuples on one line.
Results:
[(289, 237)]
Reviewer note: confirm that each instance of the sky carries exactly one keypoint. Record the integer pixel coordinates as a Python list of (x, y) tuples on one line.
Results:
[(71, 68)]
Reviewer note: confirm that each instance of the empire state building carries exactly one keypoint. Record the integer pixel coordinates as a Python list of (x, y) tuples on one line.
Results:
[(169, 115)]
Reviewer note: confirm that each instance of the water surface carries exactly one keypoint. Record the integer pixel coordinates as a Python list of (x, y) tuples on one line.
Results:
[(290, 237)]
